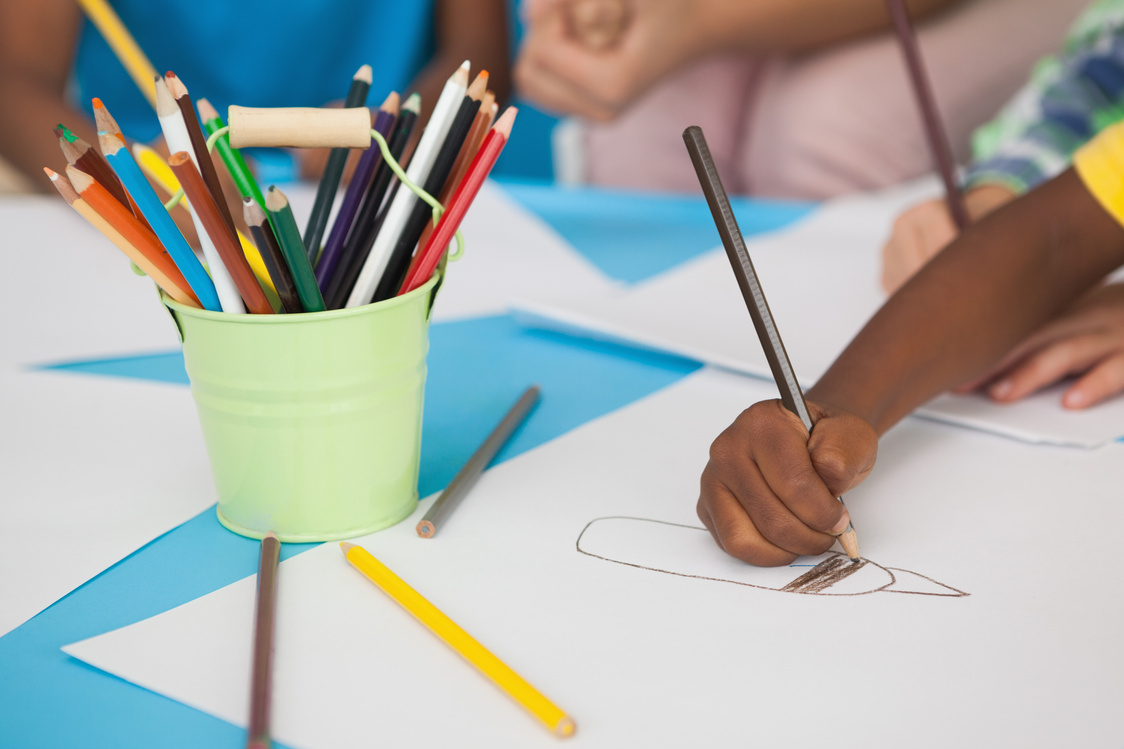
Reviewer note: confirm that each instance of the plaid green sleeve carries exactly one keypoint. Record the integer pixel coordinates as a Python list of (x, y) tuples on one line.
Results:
[(1069, 99)]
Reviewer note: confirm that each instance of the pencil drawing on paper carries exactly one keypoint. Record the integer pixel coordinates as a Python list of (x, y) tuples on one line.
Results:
[(689, 551)]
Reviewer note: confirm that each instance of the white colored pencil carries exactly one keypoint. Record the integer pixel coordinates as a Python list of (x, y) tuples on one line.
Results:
[(420, 165)]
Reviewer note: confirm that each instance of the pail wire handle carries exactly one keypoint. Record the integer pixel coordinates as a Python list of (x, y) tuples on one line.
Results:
[(395, 167)]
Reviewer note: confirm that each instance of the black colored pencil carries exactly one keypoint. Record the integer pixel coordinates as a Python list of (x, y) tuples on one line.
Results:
[(333, 171), (271, 255), (367, 222)]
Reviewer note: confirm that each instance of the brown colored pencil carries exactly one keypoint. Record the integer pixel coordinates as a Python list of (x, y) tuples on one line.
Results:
[(229, 249), (934, 128), (265, 616), (271, 255), (84, 156), (199, 144), (95, 204)]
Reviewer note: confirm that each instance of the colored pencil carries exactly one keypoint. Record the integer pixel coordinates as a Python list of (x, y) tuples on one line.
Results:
[(200, 155), (360, 182), (934, 128), (123, 45), (236, 166), (333, 170), (157, 170), (104, 120), (207, 212), (162, 224), (468, 474), (456, 638), (426, 260), (94, 203), (420, 165), (365, 227), (289, 238), (791, 395), (265, 616), (266, 241), (421, 214), (472, 143), (84, 156), (178, 139)]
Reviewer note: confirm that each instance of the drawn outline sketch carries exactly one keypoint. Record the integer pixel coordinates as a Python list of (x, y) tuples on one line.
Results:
[(640, 542)]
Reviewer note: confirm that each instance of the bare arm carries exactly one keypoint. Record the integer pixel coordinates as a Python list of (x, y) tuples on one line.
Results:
[(1003, 278), (37, 45)]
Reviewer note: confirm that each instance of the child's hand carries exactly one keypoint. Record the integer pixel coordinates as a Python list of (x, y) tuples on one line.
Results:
[(1087, 340), (769, 493), (923, 230)]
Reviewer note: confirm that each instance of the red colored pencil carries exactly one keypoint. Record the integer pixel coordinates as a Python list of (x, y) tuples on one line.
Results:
[(425, 262)]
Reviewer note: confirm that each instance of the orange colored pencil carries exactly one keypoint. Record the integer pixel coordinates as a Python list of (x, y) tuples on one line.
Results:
[(95, 204), (228, 248)]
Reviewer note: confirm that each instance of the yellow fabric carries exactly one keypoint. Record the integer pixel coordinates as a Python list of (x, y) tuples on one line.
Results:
[(1100, 164)]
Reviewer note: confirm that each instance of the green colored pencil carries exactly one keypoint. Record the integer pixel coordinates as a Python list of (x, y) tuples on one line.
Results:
[(239, 171), (289, 237)]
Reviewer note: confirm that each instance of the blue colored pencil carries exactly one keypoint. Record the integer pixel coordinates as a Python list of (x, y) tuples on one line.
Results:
[(162, 224)]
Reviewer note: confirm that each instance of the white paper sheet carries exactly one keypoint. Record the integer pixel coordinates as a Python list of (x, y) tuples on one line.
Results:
[(68, 293), (91, 469), (821, 281), (1030, 657)]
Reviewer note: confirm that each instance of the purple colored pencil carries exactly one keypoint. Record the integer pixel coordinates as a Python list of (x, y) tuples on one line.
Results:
[(360, 181)]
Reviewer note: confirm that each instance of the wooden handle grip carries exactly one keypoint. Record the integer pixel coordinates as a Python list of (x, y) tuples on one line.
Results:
[(300, 127)]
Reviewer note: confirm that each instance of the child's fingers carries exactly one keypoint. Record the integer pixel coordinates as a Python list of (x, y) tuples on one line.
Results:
[(843, 449), (1105, 380), (733, 529), (789, 491), (1047, 366)]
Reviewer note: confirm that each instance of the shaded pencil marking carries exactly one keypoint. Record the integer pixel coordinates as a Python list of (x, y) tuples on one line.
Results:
[(824, 575), (837, 560)]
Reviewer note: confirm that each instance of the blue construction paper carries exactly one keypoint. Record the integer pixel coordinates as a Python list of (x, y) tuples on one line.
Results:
[(633, 236)]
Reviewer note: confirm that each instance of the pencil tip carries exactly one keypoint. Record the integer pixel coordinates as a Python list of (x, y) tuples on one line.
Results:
[(98, 104), (346, 547), (363, 74), (413, 103), (51, 173)]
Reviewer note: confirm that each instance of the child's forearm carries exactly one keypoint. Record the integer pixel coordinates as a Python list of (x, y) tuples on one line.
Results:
[(999, 281)]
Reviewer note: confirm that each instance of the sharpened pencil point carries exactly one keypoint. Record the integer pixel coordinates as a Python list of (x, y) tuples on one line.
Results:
[(346, 547), (363, 74), (413, 103)]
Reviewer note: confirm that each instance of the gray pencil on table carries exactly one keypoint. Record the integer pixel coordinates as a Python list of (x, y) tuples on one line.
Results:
[(471, 470)]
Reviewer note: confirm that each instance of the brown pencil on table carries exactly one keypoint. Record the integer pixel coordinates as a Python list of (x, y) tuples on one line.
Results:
[(733, 242), (228, 248), (199, 144), (265, 616), (95, 204), (934, 128)]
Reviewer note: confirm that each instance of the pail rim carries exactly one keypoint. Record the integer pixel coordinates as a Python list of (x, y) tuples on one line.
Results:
[(301, 317)]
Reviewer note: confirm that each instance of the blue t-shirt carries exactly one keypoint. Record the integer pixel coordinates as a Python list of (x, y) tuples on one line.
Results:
[(284, 53)]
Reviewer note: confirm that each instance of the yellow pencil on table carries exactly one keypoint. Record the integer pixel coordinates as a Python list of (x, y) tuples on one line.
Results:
[(157, 169), (123, 45), (472, 651)]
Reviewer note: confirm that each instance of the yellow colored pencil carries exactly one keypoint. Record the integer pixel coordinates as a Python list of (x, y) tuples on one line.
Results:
[(459, 640), (157, 170), (123, 45)]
